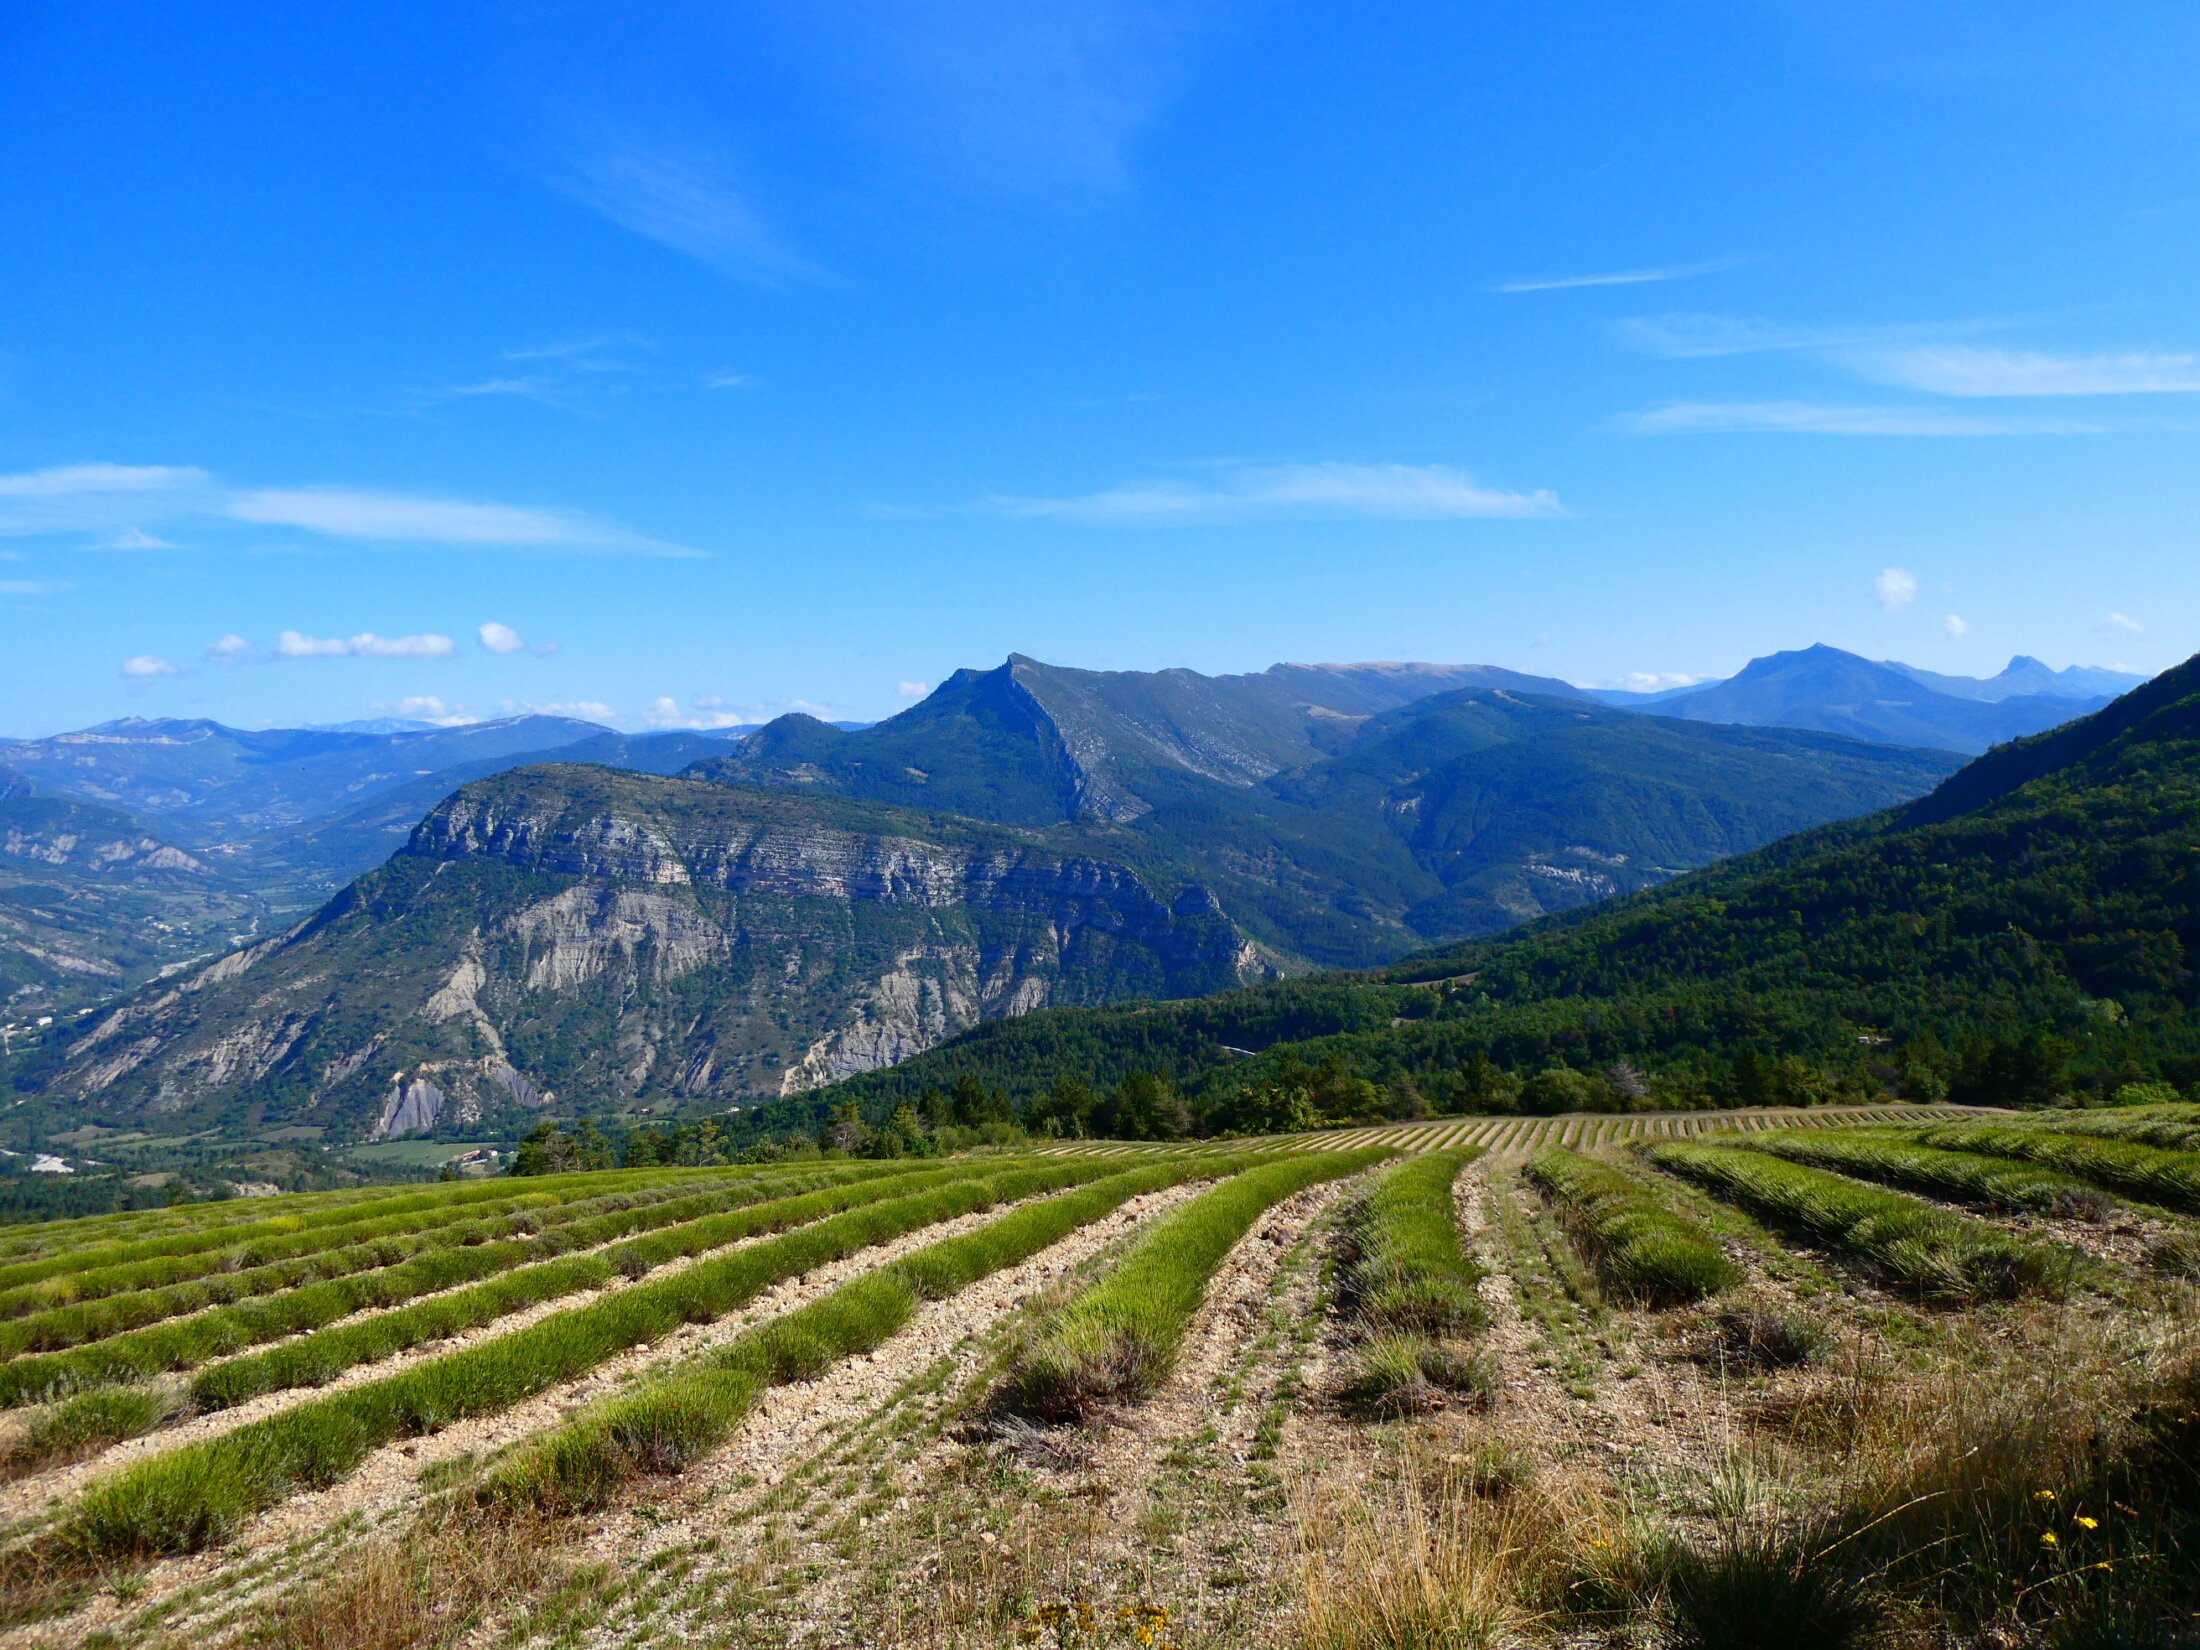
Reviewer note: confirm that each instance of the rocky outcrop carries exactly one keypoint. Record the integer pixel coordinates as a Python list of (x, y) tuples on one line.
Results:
[(600, 941)]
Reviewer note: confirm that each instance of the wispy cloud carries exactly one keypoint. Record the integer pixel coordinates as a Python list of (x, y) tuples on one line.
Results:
[(100, 498), (1810, 418), (1619, 277), (571, 375), (927, 103), (2122, 623), (122, 502), (69, 479), (686, 201), (33, 587), (1994, 372), (1399, 492), (1685, 337), (401, 518), (292, 644), (1896, 588), (148, 665)]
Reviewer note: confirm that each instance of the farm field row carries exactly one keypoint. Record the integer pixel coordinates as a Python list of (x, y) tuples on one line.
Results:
[(1254, 1393), (1521, 1134)]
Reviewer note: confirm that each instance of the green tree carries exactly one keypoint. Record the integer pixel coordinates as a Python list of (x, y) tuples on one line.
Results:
[(2024, 1072), (847, 1132), (546, 1150), (1560, 1088)]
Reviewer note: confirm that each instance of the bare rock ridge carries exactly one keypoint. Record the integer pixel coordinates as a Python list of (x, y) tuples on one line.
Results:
[(623, 940)]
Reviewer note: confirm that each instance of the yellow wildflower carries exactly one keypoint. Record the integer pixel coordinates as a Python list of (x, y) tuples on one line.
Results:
[(2085, 1523), (2043, 1495), (2047, 1539)]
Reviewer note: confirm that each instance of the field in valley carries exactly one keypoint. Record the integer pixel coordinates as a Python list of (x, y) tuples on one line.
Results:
[(1881, 1375)]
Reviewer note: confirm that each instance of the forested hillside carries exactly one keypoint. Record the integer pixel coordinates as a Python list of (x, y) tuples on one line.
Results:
[(2027, 930)]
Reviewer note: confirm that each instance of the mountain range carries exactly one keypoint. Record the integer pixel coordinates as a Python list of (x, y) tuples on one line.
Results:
[(736, 918), (2030, 927)]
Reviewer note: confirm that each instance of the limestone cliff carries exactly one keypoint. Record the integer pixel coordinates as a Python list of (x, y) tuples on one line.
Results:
[(595, 940)]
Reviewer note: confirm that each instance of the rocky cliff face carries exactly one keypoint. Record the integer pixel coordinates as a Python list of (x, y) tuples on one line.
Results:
[(598, 941)]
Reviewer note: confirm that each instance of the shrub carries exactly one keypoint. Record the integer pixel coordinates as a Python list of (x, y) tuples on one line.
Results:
[(1406, 1265), (85, 1425), (1119, 1338), (1944, 1256), (1642, 1245)]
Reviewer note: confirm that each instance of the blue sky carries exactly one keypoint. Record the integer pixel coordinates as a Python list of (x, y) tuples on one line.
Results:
[(728, 359)]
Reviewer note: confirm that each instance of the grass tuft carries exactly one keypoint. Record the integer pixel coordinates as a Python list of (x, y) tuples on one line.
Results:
[(1394, 1375)]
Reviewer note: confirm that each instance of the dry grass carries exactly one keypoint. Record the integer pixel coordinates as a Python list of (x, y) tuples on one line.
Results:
[(428, 1589), (1431, 1552)]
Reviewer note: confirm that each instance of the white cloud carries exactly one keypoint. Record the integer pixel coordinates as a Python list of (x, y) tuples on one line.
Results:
[(730, 381), (147, 665), (1400, 492), (587, 710), (230, 650), (426, 707), (371, 646), (665, 712), (913, 690), (67, 480), (2123, 622), (135, 538), (1995, 372), (1896, 588), (292, 644), (1808, 418), (1956, 626), (399, 518), (1654, 681), (500, 638), (33, 587), (1624, 277)]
